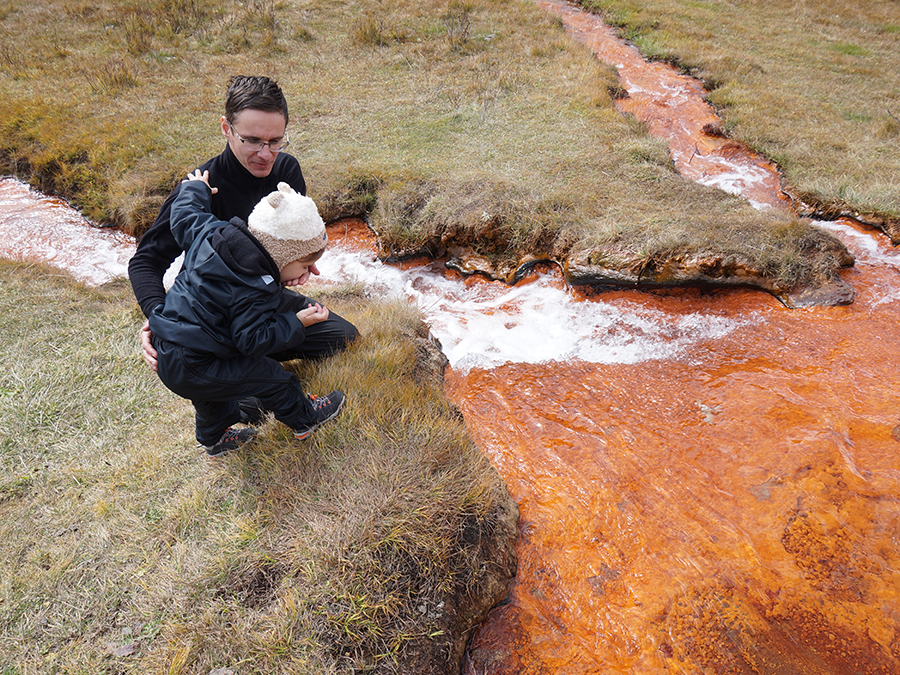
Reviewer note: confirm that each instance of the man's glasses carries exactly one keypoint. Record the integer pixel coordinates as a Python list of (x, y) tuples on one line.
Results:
[(257, 145)]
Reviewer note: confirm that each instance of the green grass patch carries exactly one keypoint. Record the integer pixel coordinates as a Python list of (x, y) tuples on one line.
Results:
[(849, 49), (129, 551)]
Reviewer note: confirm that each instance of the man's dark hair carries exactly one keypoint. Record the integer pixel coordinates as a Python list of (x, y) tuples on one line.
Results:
[(254, 92)]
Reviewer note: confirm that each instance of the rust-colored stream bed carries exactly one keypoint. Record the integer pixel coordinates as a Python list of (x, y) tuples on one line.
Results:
[(732, 511)]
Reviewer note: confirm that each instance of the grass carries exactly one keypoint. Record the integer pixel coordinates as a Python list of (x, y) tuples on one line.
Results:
[(127, 551), (814, 87), (445, 122)]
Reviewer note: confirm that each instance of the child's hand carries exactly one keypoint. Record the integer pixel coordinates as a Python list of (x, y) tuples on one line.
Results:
[(203, 177), (312, 314)]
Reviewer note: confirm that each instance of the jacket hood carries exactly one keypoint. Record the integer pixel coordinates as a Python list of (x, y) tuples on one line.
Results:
[(241, 251)]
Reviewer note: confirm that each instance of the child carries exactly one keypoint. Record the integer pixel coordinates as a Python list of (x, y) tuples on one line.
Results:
[(228, 309)]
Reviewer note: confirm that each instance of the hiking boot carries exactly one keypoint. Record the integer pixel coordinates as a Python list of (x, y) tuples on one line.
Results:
[(325, 408), (252, 411), (230, 440)]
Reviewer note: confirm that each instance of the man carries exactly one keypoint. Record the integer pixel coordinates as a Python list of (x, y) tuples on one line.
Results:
[(250, 167)]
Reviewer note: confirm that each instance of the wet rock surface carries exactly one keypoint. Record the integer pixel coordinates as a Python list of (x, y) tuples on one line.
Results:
[(835, 293), (624, 269)]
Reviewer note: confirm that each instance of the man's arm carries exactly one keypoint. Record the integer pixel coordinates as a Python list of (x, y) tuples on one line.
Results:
[(155, 253)]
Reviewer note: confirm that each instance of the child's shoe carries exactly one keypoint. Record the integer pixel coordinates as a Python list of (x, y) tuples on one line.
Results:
[(325, 408), (230, 440)]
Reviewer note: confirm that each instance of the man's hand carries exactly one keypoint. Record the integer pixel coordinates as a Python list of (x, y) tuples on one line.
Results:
[(147, 350), (312, 314)]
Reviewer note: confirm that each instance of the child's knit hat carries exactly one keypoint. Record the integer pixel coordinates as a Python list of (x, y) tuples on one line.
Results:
[(288, 225)]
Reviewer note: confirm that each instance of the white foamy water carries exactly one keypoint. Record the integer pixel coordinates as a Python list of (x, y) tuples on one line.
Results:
[(35, 227), (479, 325), (736, 178), (483, 324), (872, 251), (863, 245), (488, 324)]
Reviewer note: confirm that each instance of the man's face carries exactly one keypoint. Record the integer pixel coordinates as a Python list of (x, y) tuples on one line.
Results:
[(251, 126)]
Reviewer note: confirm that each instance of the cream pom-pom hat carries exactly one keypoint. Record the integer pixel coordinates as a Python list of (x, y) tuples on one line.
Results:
[(288, 225)]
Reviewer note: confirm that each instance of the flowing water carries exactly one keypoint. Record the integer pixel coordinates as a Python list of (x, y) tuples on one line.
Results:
[(729, 509), (732, 509), (35, 227), (707, 481)]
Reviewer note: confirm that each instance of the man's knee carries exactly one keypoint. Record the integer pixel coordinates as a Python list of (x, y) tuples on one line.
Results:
[(351, 333), (335, 335), (322, 340)]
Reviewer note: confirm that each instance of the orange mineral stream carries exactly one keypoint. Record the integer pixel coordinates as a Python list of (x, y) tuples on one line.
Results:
[(734, 511), (731, 511)]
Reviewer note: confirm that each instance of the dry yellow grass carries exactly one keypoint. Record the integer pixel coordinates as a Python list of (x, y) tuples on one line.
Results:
[(126, 550), (426, 115)]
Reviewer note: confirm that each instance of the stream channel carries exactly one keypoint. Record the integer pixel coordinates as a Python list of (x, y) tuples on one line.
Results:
[(707, 481)]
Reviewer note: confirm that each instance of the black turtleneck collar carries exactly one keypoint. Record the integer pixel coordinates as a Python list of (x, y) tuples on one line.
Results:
[(238, 189), (238, 171)]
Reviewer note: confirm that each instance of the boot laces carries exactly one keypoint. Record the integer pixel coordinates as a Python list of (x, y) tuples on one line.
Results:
[(318, 402)]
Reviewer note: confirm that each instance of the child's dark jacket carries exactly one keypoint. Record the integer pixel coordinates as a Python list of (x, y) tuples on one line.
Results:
[(239, 191), (228, 299)]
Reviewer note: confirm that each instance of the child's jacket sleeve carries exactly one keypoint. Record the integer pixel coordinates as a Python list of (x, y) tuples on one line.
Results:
[(190, 217), (258, 328)]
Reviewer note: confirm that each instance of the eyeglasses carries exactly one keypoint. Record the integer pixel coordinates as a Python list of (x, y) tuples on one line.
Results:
[(257, 145)]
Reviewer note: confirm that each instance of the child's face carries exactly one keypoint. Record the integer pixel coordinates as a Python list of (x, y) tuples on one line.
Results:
[(297, 272)]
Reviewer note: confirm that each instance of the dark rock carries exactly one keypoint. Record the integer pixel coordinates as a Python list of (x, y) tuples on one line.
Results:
[(836, 292)]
